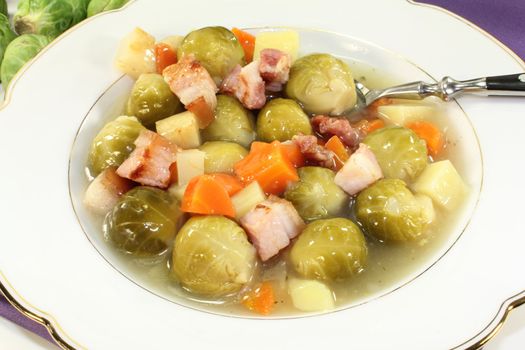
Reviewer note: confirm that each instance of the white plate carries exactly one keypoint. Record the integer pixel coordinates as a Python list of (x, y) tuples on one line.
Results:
[(47, 263)]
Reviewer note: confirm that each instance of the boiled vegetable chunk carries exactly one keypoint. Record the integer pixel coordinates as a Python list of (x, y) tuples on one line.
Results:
[(221, 156), (247, 199), (310, 295), (400, 114), (104, 192), (427, 207), (136, 54), (208, 196), (190, 163), (181, 129), (286, 41)]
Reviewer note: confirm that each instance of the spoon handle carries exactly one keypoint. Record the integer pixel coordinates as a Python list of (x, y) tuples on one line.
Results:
[(503, 85), (500, 85)]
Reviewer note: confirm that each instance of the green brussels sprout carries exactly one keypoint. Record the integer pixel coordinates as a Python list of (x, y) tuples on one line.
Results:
[(151, 100), (390, 212), (232, 123), (6, 34), (315, 195), (113, 143), (281, 119), (143, 222), (322, 84), (98, 6), (48, 17), (212, 256), (329, 249), (3, 7), (216, 48), (221, 156), (401, 154), (19, 52)]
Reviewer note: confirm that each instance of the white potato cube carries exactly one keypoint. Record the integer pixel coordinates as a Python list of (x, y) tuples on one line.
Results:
[(429, 214), (246, 199), (136, 54), (310, 295), (400, 114), (190, 163), (181, 129), (286, 41)]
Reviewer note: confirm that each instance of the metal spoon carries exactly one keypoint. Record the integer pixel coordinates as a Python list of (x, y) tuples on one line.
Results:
[(446, 89)]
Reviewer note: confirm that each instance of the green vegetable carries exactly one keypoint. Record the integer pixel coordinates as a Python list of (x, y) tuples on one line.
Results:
[(19, 52), (3, 7), (48, 17), (232, 123), (216, 48), (98, 6), (151, 100), (114, 143), (315, 195), (212, 256), (143, 222), (401, 154), (281, 119), (329, 249), (390, 212), (221, 156), (322, 84), (6, 34)]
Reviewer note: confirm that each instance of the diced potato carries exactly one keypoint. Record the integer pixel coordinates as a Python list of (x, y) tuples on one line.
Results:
[(286, 41), (190, 163), (136, 54), (177, 191), (441, 182), (247, 199), (400, 114), (429, 214), (182, 129), (310, 295), (173, 41)]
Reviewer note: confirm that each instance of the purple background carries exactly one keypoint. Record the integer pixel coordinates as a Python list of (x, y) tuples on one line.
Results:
[(505, 19)]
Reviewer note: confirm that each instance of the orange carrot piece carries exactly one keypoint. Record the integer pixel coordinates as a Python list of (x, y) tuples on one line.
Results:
[(269, 166), (206, 195), (247, 42), (261, 300), (293, 152), (174, 176), (374, 125), (431, 134), (205, 115), (381, 102), (335, 145), (230, 182), (164, 56)]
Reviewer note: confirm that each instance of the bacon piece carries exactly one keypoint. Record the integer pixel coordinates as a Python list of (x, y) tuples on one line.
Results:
[(312, 151), (275, 68), (271, 225), (360, 171), (246, 85), (340, 127), (105, 190), (150, 162)]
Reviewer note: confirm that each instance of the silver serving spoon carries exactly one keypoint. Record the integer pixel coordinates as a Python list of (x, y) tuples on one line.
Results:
[(446, 89)]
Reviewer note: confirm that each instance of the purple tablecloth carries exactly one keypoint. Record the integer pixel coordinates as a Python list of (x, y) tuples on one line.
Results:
[(505, 19)]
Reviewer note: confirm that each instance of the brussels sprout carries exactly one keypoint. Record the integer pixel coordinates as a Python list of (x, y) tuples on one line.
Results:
[(3, 7), (401, 154), (151, 99), (113, 143), (216, 48), (6, 35), (19, 52), (143, 222), (316, 196), (390, 212), (212, 256), (322, 84), (221, 156), (232, 122), (281, 119), (48, 17), (97, 6), (329, 249)]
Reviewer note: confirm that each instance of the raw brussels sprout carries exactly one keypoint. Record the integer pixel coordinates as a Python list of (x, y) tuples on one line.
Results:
[(6, 34), (48, 17), (114, 143), (143, 222), (322, 84), (329, 249), (216, 48), (401, 154), (151, 99), (221, 156), (19, 52), (3, 7), (390, 212), (316, 196), (232, 123), (97, 6), (281, 119), (212, 256)]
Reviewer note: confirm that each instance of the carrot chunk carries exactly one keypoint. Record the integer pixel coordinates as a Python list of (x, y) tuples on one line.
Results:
[(335, 145), (374, 125), (207, 195), (261, 300), (433, 137), (247, 42), (230, 182), (293, 152), (164, 56)]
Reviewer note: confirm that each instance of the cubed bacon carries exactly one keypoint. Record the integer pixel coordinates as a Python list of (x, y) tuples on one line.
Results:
[(360, 171), (271, 225), (340, 127), (275, 68), (313, 152), (246, 85), (150, 162), (105, 190), (189, 80)]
